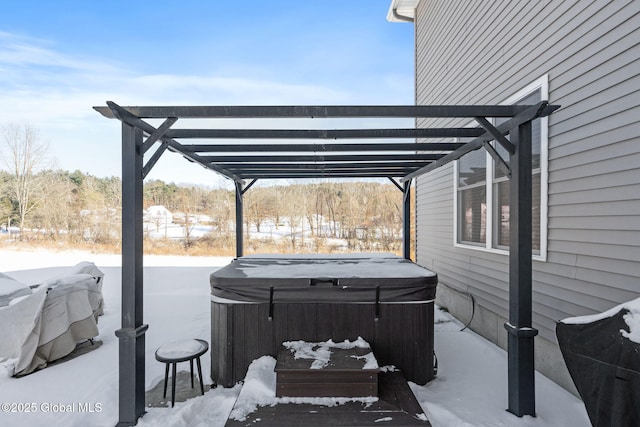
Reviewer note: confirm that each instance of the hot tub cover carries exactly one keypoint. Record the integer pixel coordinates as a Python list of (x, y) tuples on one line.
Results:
[(361, 278)]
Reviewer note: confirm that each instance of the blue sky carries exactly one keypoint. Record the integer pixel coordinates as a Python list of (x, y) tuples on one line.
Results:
[(60, 58)]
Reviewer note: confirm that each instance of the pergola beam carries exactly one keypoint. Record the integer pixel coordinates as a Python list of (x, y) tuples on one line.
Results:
[(530, 113), (158, 133), (238, 167), (322, 174), (384, 158), (304, 148), (398, 186), (126, 117), (502, 164), (154, 159), (313, 111), (195, 158), (324, 133), (496, 134), (248, 186)]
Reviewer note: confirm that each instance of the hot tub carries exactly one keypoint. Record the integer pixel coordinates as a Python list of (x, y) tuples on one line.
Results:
[(258, 302)]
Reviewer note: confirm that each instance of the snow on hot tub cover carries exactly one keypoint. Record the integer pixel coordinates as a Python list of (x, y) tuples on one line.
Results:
[(363, 278)]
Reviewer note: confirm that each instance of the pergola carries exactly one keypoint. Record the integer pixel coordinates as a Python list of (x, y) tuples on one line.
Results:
[(321, 153)]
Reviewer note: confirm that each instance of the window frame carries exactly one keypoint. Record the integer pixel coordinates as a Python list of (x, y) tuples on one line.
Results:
[(541, 84), (470, 187)]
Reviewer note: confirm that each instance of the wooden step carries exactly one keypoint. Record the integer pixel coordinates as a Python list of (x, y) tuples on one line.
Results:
[(396, 406), (343, 376)]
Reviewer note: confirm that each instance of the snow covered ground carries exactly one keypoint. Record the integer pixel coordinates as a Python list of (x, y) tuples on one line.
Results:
[(470, 389)]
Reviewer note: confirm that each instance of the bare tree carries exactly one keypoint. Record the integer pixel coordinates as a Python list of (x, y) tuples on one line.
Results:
[(23, 152), (54, 213), (6, 208)]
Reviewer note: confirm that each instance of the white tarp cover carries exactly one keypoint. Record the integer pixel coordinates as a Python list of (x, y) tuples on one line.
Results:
[(45, 323)]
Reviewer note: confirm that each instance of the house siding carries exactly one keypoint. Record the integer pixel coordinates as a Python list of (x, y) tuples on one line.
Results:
[(476, 52)]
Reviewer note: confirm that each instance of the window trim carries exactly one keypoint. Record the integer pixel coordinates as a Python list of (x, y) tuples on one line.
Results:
[(542, 84)]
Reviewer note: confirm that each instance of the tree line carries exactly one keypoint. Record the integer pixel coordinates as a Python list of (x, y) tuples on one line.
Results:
[(75, 207)]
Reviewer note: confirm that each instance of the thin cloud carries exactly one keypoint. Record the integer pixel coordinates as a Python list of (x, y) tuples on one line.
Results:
[(53, 90), (42, 84), (32, 54)]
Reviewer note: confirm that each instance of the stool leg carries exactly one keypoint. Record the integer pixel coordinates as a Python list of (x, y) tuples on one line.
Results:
[(173, 386), (191, 367), (200, 375), (166, 380)]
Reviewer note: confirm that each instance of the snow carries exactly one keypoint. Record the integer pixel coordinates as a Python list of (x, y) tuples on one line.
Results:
[(180, 349), (370, 361), (9, 285), (326, 401), (632, 319), (304, 350), (379, 267), (320, 352), (470, 389), (259, 389)]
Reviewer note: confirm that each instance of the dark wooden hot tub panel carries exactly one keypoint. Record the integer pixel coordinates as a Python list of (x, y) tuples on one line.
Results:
[(240, 333)]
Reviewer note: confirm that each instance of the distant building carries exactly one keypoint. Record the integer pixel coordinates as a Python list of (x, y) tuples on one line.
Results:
[(158, 215), (584, 56)]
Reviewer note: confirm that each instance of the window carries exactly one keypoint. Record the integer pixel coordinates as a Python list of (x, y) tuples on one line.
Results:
[(482, 188), (472, 182)]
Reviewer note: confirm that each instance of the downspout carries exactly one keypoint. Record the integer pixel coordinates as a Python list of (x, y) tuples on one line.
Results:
[(399, 17), (406, 207)]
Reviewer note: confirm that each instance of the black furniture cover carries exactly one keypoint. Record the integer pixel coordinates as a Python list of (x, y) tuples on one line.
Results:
[(605, 367)]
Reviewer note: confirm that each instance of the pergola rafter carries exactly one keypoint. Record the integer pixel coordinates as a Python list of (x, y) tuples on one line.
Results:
[(381, 153), (324, 148), (313, 134)]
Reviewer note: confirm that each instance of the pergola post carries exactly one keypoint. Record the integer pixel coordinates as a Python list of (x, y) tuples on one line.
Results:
[(131, 335), (521, 383), (406, 220), (239, 219)]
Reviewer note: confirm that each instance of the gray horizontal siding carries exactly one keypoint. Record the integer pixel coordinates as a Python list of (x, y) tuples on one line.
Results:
[(620, 132), (614, 193), (593, 182), (611, 209), (591, 53)]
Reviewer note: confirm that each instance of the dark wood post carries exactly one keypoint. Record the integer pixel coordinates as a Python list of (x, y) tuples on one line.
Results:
[(131, 335), (406, 220), (521, 384), (239, 220)]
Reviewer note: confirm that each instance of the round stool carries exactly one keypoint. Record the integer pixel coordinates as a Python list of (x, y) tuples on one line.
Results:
[(181, 351)]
